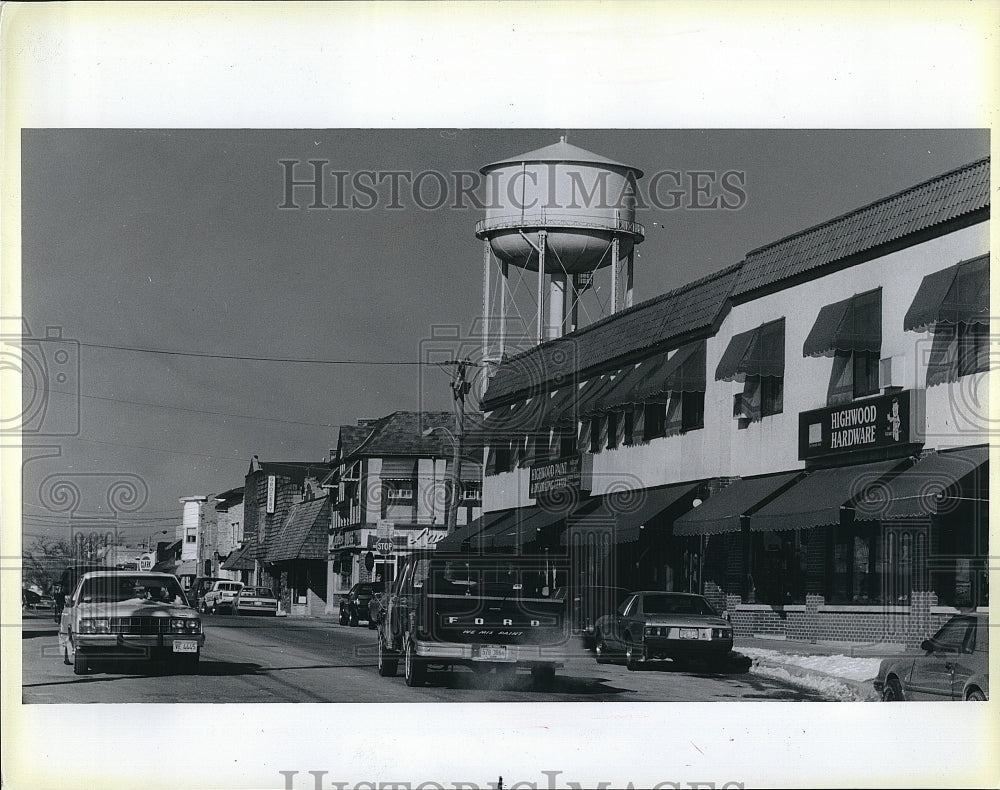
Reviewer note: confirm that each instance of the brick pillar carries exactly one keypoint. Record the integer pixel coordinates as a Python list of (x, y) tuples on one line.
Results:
[(812, 626)]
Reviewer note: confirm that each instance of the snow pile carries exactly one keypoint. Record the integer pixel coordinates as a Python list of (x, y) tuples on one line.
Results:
[(858, 669), (838, 677)]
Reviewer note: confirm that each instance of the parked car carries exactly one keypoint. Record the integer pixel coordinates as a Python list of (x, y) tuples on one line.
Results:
[(951, 665), (221, 595), (115, 615), (589, 604), (201, 586), (354, 605), (255, 600), (651, 625)]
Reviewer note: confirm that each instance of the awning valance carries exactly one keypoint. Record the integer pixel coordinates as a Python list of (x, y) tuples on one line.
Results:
[(853, 324), (925, 487), (959, 294), (472, 532), (398, 469), (630, 520), (684, 371), (757, 352), (722, 512), (819, 497)]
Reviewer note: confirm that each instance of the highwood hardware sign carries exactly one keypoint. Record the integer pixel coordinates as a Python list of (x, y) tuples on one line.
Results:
[(887, 421)]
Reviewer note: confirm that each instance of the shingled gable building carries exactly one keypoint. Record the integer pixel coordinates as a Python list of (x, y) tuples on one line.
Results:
[(801, 436), (388, 475)]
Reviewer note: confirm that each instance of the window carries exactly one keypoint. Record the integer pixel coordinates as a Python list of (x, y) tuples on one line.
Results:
[(598, 433), (757, 358), (973, 349), (613, 421), (771, 395), (191, 539), (567, 442), (865, 365), (957, 350), (398, 489), (472, 490), (692, 411), (628, 425)]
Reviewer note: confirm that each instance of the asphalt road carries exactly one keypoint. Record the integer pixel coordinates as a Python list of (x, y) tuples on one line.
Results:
[(312, 660)]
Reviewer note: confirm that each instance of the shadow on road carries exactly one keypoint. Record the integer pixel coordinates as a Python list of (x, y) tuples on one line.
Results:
[(35, 634), (561, 684)]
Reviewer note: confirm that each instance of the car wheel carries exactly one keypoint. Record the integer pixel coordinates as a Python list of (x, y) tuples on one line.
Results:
[(600, 649), (386, 666), (80, 664), (892, 692), (543, 677), (414, 670), (975, 695), (633, 656)]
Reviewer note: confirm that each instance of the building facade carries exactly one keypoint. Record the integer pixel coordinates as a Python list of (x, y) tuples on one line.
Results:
[(801, 436), (390, 480)]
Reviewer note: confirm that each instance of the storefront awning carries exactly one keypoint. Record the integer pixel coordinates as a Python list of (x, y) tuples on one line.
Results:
[(853, 324), (959, 294), (398, 469), (523, 529), (818, 498), (757, 352), (651, 503), (926, 487), (472, 532), (722, 511)]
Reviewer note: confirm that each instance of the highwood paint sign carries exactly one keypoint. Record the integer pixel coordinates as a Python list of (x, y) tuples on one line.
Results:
[(564, 473), (893, 420)]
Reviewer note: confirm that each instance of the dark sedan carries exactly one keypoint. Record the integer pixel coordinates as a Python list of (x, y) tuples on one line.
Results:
[(952, 665), (652, 625), (354, 606)]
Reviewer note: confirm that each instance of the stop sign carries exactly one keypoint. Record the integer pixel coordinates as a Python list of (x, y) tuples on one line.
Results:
[(383, 545)]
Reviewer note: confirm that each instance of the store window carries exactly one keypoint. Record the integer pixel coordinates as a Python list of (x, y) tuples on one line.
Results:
[(777, 572)]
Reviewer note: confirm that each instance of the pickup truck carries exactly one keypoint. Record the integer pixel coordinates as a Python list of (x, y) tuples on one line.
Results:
[(485, 612)]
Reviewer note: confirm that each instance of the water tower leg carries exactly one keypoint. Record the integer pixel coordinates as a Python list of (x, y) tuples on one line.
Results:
[(486, 300), (541, 286), (557, 305), (614, 275), (502, 333), (629, 267)]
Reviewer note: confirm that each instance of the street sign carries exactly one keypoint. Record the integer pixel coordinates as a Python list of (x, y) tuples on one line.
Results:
[(384, 528), (383, 546)]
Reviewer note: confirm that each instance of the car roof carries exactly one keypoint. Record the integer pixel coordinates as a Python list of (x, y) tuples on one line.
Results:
[(120, 572)]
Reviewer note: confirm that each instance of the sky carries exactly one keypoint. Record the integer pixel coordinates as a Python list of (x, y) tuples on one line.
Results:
[(174, 240)]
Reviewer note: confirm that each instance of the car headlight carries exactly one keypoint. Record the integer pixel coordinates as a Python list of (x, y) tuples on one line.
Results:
[(722, 633), (185, 625), (650, 630), (95, 625)]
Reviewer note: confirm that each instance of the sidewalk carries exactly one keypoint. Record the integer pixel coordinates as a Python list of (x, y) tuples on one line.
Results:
[(843, 671)]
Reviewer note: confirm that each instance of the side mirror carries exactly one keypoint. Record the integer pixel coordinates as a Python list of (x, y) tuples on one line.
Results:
[(927, 645)]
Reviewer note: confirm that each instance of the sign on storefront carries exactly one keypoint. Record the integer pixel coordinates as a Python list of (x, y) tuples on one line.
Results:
[(270, 493), (566, 473), (879, 423)]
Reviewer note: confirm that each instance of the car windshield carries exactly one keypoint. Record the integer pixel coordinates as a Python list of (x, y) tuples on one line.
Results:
[(676, 604), (112, 589), (496, 577)]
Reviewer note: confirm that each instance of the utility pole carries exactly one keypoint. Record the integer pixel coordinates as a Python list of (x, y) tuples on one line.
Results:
[(460, 387)]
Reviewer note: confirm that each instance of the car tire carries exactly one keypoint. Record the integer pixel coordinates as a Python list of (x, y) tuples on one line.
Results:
[(600, 649), (633, 655), (975, 695), (892, 691), (80, 664), (414, 670), (387, 666)]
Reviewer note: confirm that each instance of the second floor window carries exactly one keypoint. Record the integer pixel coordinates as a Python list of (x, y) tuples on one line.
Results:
[(756, 358)]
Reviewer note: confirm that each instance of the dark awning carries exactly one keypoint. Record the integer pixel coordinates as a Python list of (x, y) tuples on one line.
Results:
[(239, 560), (722, 511), (592, 392), (757, 352), (398, 469), (649, 504), (853, 324), (817, 499), (683, 372), (524, 528), (471, 532), (925, 487), (561, 407), (623, 391), (959, 294)]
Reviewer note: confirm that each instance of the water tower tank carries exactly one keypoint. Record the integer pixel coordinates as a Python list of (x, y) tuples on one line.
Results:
[(582, 200)]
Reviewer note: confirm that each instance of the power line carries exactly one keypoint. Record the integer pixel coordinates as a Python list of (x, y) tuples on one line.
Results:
[(241, 358)]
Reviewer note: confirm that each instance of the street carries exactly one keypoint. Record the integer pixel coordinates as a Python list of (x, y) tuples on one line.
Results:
[(313, 660)]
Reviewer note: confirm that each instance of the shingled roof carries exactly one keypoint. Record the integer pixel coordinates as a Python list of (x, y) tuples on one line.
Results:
[(949, 196), (303, 536), (350, 438), (297, 471), (657, 322), (401, 433)]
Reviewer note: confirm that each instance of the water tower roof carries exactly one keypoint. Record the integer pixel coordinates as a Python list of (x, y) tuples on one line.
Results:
[(561, 152)]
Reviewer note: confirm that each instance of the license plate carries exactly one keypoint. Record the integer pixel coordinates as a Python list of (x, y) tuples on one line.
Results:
[(493, 652), (258, 603), (185, 646), (689, 633)]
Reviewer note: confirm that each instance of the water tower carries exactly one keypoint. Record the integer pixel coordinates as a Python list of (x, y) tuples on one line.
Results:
[(567, 215)]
